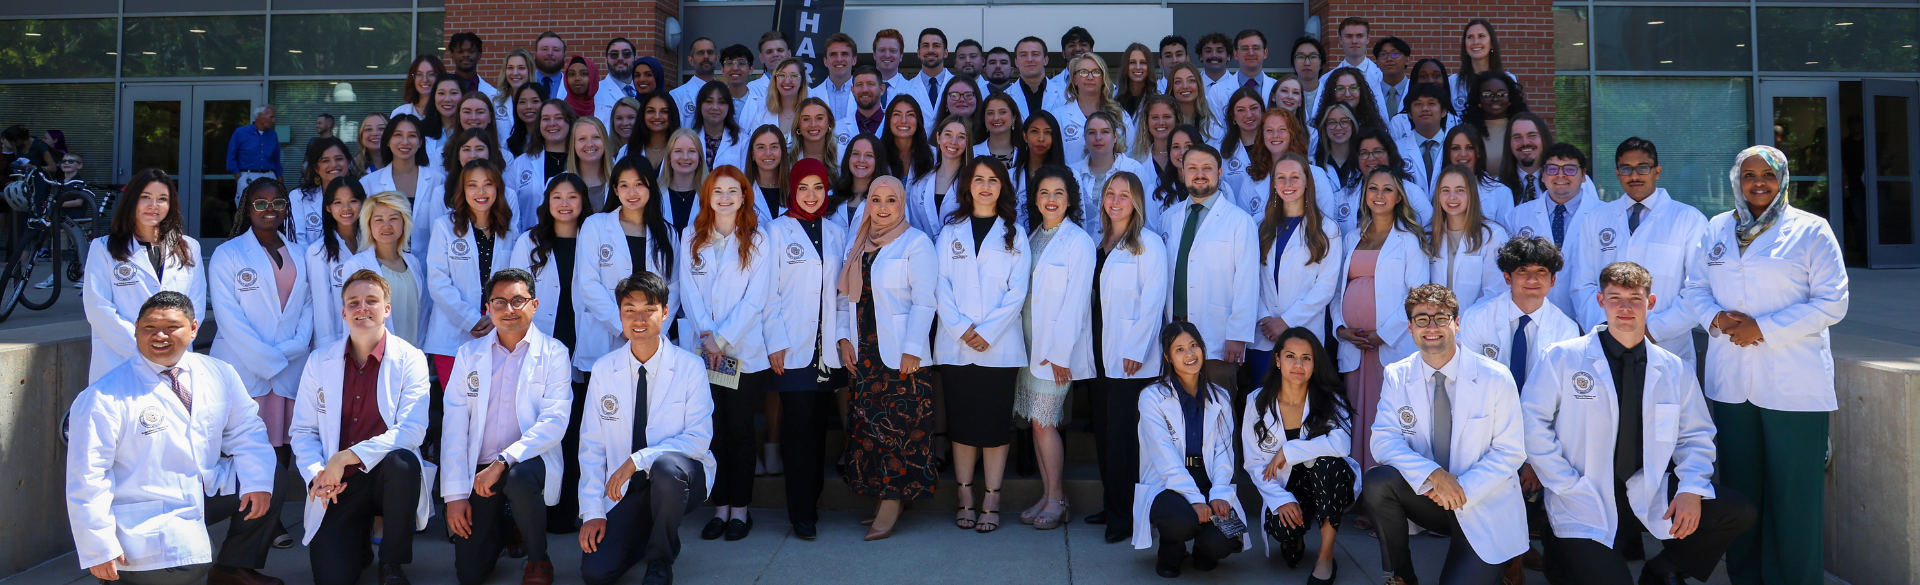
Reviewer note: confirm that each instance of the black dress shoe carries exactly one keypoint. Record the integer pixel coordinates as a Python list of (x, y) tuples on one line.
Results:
[(1331, 576), (714, 528), (1650, 578), (1099, 517), (658, 573), (1117, 534), (1170, 559), (393, 575), (738, 529), (805, 530), (1203, 563)]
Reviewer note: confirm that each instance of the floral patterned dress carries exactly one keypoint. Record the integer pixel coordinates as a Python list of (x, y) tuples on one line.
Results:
[(890, 415)]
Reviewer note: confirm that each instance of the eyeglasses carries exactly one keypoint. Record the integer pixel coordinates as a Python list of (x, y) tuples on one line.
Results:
[(736, 63), (1425, 321), (1305, 56), (1087, 73), (626, 54), (960, 95), (516, 303), (1378, 152), (70, 161), (1339, 123), (1568, 170), (786, 76), (276, 205), (1346, 89), (1389, 55), (1493, 95), (1637, 170)]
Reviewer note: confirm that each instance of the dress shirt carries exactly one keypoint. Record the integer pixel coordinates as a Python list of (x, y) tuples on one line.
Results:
[(360, 399), (839, 99), (1629, 368), (1451, 372), (1190, 411), (503, 427), (253, 149)]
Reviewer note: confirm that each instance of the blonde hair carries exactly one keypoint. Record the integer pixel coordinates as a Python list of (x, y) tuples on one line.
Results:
[(394, 200), (573, 158), (1136, 193), (501, 85), (829, 147), (773, 92), (1107, 103), (699, 149), (1476, 229), (1202, 111)]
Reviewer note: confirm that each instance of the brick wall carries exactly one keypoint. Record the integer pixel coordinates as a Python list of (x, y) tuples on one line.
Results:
[(1524, 27), (587, 25)]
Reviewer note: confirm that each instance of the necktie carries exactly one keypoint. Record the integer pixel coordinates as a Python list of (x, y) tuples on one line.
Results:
[(1442, 421), (546, 81), (1428, 149), (933, 88), (1393, 100), (1633, 217), (1252, 82), (1530, 191), (1559, 224), (628, 89), (640, 410), (1194, 212), (1517, 352), (173, 379)]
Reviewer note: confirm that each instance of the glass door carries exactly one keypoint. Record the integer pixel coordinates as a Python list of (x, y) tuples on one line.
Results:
[(1891, 118), (1802, 119), (184, 130)]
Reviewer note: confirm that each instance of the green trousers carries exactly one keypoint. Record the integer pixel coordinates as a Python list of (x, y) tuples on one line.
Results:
[(1777, 458)]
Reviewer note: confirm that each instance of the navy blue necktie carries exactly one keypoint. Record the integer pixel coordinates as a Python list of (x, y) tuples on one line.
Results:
[(1518, 353), (640, 410), (1633, 217), (547, 82), (1559, 224)]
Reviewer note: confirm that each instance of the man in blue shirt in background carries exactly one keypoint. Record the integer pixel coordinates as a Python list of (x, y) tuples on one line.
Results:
[(254, 151)]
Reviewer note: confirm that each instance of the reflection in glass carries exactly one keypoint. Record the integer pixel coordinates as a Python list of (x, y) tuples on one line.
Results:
[(341, 44), (1570, 38), (156, 136), (428, 39), (297, 103), (1893, 170), (1839, 39), (1702, 122), (1800, 130), (217, 187), (1572, 118), (193, 46), (1654, 38), (67, 48)]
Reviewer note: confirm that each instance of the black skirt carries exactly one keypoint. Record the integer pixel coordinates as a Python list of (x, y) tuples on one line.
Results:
[(979, 404)]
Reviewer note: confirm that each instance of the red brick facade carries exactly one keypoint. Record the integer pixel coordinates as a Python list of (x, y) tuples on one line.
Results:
[(1432, 28), (587, 25)]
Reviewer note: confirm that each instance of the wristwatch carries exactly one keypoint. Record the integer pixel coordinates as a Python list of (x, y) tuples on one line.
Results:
[(502, 458)]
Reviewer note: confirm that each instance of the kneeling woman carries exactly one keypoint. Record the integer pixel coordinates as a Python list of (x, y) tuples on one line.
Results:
[(1297, 441), (1186, 459)]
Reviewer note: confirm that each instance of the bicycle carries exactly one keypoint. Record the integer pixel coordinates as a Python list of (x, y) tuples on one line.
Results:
[(53, 232)]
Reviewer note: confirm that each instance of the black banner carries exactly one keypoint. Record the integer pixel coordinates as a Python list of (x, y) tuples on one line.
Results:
[(808, 23)]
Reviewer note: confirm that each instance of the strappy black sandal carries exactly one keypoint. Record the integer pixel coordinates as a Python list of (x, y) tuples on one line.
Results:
[(964, 523), (982, 526)]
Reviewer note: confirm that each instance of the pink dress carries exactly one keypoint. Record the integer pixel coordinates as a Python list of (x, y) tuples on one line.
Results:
[(277, 410), (1363, 384)]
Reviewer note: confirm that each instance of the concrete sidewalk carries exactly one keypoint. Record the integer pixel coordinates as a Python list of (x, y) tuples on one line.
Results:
[(926, 548)]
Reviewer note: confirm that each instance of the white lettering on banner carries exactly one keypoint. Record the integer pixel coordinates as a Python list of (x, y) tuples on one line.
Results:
[(810, 20), (806, 47)]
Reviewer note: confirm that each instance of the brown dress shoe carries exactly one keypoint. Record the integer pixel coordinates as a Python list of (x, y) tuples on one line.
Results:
[(1516, 574), (538, 573), (1532, 560), (226, 576)]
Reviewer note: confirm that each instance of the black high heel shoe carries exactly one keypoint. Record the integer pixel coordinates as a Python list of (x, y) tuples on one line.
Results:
[(1332, 575)]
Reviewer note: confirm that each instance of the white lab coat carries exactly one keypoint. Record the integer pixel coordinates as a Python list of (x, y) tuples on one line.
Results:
[(1218, 94), (721, 296), (1296, 291), (1793, 282), (1254, 196), (1163, 455), (426, 186), (685, 97), (526, 179), (403, 402), (1670, 233), (1133, 300), (610, 91), (1063, 321), (266, 341), (805, 304), (934, 96), (324, 281), (139, 465), (1408, 141), (1400, 267), (1338, 442), (1488, 445), (900, 85), (1073, 145), (306, 208), (112, 291), (1350, 204), (453, 269), (1457, 86), (904, 277), (679, 420), (1572, 418), (982, 289), (1496, 201), (369, 259), (602, 261), (542, 403), (1376, 81), (1092, 214), (1223, 280), (733, 148), (1535, 218), (1487, 329), (1475, 273), (503, 111), (928, 213), (546, 281), (1050, 98)]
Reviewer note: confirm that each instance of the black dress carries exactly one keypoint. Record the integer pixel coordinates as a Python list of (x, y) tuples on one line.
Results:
[(890, 417)]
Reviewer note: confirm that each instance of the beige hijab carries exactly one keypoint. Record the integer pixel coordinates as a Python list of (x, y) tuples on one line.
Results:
[(869, 238)]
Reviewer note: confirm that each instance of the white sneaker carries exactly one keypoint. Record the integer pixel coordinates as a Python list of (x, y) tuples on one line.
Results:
[(48, 283)]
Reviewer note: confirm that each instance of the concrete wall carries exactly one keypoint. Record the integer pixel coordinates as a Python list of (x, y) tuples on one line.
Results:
[(1873, 480), (41, 370)]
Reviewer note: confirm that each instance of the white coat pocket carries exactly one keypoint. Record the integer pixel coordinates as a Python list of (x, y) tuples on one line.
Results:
[(892, 274), (1666, 423), (147, 531)]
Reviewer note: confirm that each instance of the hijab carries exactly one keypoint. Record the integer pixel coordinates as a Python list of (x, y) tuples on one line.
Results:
[(582, 103), (869, 238), (659, 73), (802, 169), (1747, 226)]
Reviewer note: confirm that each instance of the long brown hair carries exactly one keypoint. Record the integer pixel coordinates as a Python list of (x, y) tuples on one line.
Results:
[(1262, 162), (172, 230), (499, 215), (1477, 231), (1403, 216), (746, 222), (1276, 212)]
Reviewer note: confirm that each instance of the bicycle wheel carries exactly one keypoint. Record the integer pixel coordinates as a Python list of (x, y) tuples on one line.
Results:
[(12, 282), (37, 272), (76, 245)]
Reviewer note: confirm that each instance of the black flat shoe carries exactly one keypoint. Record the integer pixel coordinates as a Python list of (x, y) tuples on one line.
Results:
[(805, 530), (1201, 563), (1117, 534), (1331, 575), (714, 528), (1649, 578), (1170, 559), (1099, 517), (738, 529)]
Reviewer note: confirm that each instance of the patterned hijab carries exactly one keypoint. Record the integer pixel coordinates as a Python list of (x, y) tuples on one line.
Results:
[(1749, 226)]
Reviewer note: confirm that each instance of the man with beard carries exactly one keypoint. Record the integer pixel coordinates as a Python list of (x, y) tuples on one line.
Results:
[(1215, 247), (837, 88), (550, 64), (1076, 42), (619, 80), (773, 50), (867, 115), (1569, 197), (701, 54), (1173, 51), (1527, 138), (463, 52), (968, 57), (933, 75), (999, 70)]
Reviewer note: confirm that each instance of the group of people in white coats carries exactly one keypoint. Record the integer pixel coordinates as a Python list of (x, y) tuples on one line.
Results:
[(1401, 319)]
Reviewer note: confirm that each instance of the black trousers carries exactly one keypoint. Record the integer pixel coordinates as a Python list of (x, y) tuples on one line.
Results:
[(1589, 562), (1174, 517), (1392, 503), (564, 516), (734, 439), (1116, 445), (474, 557), (645, 525), (342, 546), (803, 448)]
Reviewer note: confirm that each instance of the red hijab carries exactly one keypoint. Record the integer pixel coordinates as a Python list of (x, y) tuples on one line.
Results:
[(802, 169), (582, 103)]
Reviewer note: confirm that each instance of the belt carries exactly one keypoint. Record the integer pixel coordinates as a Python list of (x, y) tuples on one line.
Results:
[(263, 172), (1196, 462)]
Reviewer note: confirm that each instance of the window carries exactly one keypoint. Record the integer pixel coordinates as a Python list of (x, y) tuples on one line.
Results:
[(82, 111), (1671, 39), (341, 44), (429, 39), (1570, 38), (56, 48), (297, 103), (194, 46), (1572, 114), (1698, 123), (1839, 39)]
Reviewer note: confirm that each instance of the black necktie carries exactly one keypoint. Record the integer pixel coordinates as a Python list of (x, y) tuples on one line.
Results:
[(547, 82), (640, 410)]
